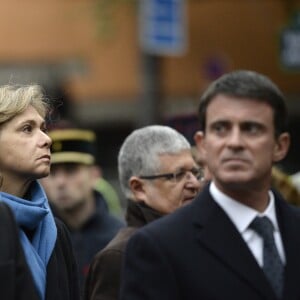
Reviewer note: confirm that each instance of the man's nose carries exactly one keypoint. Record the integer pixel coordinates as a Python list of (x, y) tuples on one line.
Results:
[(193, 181), (235, 138), (59, 178)]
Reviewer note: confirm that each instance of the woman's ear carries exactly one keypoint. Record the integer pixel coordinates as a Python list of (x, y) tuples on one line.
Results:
[(281, 147)]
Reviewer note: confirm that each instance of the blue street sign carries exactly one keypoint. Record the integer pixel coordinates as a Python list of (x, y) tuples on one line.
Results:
[(290, 45), (290, 48), (163, 26)]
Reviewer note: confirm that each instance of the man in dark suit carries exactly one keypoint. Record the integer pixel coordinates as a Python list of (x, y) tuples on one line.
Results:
[(216, 248)]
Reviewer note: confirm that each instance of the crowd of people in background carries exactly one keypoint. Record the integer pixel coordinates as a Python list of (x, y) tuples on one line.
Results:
[(72, 193), (218, 220)]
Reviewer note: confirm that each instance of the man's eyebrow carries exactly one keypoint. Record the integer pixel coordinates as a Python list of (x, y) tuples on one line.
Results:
[(220, 121), (251, 122)]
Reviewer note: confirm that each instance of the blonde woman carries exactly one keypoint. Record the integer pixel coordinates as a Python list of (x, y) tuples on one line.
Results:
[(50, 269)]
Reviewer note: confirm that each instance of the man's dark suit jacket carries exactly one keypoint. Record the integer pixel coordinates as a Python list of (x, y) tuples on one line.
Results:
[(197, 253)]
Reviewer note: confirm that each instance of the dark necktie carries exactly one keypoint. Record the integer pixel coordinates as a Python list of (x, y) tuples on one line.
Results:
[(272, 264)]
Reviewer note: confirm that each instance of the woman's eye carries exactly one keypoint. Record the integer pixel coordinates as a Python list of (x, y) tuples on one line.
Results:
[(27, 128)]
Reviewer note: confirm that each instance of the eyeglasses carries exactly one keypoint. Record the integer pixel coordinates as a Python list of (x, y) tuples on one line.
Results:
[(178, 176)]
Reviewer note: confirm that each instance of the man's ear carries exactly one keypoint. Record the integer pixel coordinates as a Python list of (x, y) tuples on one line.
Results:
[(199, 141), (281, 147), (137, 188)]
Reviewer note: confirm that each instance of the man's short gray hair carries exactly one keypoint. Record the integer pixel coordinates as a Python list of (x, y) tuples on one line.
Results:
[(139, 153)]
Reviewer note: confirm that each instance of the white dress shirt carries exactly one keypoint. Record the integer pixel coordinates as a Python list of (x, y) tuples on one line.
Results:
[(242, 215)]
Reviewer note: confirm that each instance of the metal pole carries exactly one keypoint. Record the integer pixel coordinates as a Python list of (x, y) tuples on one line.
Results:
[(149, 104)]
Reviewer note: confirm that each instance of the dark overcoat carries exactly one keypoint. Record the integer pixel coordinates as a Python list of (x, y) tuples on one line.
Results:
[(197, 253), (16, 282), (103, 280), (62, 270)]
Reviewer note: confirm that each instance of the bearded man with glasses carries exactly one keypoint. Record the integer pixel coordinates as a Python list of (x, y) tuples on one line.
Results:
[(157, 174)]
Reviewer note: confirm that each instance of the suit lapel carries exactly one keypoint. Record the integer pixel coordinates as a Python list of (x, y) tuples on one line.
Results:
[(289, 223), (216, 232)]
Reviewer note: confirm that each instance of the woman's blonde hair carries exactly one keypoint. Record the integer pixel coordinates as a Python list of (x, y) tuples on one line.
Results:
[(14, 99)]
